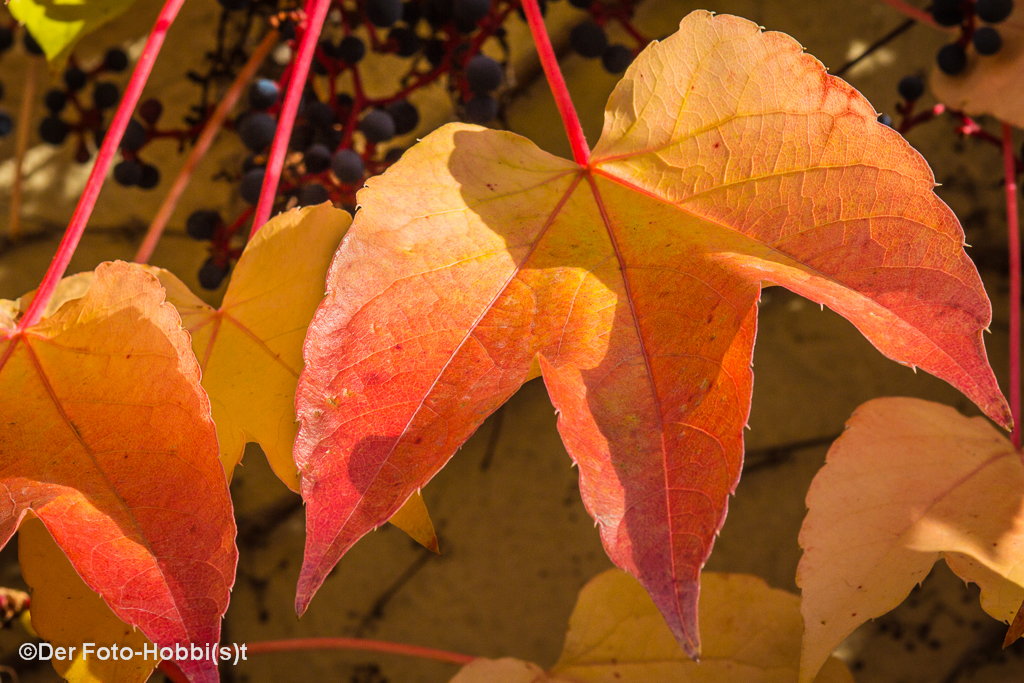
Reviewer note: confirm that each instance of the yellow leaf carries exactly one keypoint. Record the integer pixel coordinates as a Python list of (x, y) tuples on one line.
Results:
[(250, 349), (66, 613), (751, 634), (57, 26), (909, 481), (413, 519)]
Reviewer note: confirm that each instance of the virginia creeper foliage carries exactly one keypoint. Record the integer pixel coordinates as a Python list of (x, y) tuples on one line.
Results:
[(729, 159)]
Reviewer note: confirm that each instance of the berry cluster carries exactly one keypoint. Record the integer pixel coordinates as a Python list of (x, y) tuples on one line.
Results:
[(589, 39), (342, 135), (952, 58)]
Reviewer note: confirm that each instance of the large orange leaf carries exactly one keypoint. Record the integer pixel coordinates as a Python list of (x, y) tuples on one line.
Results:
[(106, 436), (729, 158), (908, 482)]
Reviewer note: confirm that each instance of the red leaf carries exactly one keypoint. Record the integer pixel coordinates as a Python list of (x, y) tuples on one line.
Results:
[(729, 158), (106, 436)]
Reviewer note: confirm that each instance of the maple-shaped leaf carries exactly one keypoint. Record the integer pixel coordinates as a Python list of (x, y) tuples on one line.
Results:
[(616, 635), (729, 159), (105, 434), (983, 87), (66, 613), (908, 482)]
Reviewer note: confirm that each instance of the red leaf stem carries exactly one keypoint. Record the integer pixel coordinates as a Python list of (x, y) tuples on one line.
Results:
[(108, 149), (296, 644), (203, 143), (316, 13), (549, 62), (1012, 220)]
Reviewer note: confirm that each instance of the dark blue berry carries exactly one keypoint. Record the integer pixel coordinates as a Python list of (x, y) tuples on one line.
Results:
[(55, 100), (993, 11), (75, 79), (128, 173), (987, 41), (53, 130), (202, 225), (6, 38), (588, 40), (115, 60), (405, 115), (952, 59), (257, 130), (377, 126), (351, 50), (383, 13), (6, 124), (483, 74), (347, 166), (911, 88), (263, 93), (312, 194), (317, 158), (134, 136), (251, 185), (105, 95), (616, 58), (212, 274)]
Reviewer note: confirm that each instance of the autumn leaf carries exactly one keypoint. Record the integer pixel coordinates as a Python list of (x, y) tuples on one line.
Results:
[(983, 86), (106, 437), (908, 482), (66, 614), (57, 27), (616, 635), (250, 349), (729, 159)]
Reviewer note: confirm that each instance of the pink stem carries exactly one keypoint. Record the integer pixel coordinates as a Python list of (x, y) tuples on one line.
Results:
[(296, 644), (917, 13), (1010, 168), (316, 13), (103, 160), (210, 130), (580, 150)]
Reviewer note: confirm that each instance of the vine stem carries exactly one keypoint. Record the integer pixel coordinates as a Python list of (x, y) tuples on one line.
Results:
[(1012, 220), (28, 97), (316, 13), (108, 149), (202, 145), (363, 644), (549, 62), (917, 13)]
